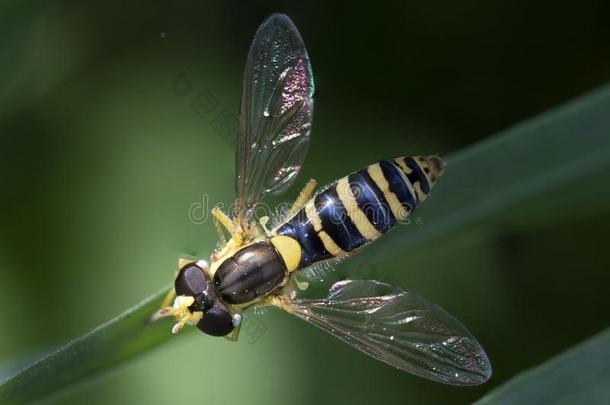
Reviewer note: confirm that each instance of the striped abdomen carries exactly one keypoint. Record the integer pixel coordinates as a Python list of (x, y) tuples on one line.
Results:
[(361, 207)]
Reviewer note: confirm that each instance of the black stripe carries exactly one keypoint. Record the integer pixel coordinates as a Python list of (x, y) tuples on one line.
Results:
[(302, 230), (417, 175), (371, 201), (335, 221), (391, 172)]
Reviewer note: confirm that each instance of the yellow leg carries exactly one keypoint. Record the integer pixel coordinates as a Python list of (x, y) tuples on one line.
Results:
[(171, 294), (264, 221), (165, 305), (303, 197), (222, 223), (301, 284), (219, 228), (169, 298), (222, 219)]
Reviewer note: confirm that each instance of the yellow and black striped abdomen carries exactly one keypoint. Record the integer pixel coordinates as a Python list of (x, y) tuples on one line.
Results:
[(361, 207)]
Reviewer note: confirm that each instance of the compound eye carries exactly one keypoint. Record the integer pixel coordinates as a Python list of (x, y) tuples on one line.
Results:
[(216, 322), (191, 281)]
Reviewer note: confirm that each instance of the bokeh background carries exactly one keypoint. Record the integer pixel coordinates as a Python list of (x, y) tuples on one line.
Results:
[(105, 149)]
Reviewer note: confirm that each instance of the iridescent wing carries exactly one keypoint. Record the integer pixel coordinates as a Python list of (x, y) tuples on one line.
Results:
[(399, 328), (275, 114)]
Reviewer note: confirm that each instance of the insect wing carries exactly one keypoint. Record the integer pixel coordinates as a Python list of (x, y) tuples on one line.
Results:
[(399, 328), (275, 114)]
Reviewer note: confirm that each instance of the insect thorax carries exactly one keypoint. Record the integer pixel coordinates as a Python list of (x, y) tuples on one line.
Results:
[(250, 273)]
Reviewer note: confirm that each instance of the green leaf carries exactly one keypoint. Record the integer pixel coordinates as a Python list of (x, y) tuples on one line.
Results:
[(564, 146), (580, 375), (102, 349), (558, 148)]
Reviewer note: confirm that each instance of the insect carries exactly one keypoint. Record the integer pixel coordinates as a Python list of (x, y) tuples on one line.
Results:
[(257, 264)]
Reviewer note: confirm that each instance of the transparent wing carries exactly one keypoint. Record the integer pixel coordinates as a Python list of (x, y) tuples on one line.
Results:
[(399, 328), (275, 114)]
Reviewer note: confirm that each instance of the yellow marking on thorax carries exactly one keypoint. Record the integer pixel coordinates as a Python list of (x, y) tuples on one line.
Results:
[(376, 174), (354, 212), (289, 249), (330, 245)]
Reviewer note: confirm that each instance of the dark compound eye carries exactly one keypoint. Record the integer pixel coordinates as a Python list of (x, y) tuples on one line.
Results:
[(216, 322), (191, 281)]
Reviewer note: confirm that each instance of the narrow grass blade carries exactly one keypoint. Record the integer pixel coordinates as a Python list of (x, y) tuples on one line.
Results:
[(102, 349), (560, 147), (580, 375)]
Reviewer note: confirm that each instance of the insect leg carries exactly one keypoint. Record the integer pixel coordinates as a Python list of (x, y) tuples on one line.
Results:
[(171, 294), (300, 283), (222, 222), (264, 221), (220, 231), (236, 230), (169, 298), (165, 307), (303, 197)]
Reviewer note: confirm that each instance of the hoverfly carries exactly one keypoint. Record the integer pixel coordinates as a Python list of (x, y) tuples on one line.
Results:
[(256, 265)]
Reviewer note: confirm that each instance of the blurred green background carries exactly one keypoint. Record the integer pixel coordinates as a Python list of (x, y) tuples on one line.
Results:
[(109, 135)]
